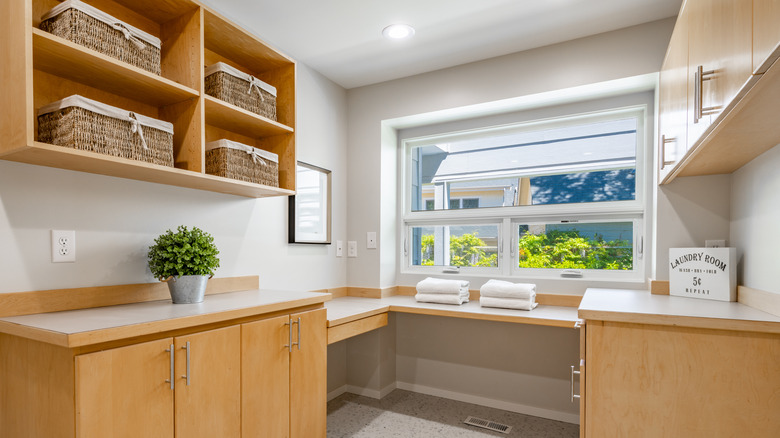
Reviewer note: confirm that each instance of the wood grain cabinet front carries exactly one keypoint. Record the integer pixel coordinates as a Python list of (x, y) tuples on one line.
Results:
[(284, 375), (673, 99), (666, 381), (719, 58), (188, 386)]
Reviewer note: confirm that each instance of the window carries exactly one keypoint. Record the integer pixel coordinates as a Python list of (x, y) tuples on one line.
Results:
[(555, 197)]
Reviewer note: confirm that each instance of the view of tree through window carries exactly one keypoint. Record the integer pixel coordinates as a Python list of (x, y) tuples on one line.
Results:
[(576, 246)]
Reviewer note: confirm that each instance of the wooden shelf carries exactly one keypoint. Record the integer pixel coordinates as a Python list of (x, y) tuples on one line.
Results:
[(39, 68), (232, 118), (83, 161), (233, 42), (745, 129), (63, 58)]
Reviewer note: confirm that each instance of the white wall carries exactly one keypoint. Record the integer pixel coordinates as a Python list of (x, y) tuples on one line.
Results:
[(116, 219), (755, 221), (372, 146), (688, 212)]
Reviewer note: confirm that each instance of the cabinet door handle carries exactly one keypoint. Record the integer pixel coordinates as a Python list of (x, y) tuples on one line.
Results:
[(699, 110), (664, 141), (573, 395), (299, 334), (170, 380), (289, 336), (187, 376)]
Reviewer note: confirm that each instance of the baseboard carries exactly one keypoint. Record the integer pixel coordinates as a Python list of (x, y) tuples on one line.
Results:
[(337, 392), (365, 392), (387, 390), (491, 403)]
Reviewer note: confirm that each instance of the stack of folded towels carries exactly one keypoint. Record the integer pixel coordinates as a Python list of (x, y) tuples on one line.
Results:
[(507, 295), (437, 290)]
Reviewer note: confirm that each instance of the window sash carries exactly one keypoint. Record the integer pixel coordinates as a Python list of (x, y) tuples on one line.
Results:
[(509, 217)]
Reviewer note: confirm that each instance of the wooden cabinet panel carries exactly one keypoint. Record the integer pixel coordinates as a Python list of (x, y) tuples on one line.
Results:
[(720, 41), (308, 375), (123, 393), (673, 99), (208, 384), (265, 375), (654, 381), (766, 33)]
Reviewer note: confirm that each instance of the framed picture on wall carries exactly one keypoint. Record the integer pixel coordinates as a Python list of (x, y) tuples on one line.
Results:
[(309, 208)]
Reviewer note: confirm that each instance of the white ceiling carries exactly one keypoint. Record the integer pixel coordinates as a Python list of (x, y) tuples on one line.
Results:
[(342, 39)]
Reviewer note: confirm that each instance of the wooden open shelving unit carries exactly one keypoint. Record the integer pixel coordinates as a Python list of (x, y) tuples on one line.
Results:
[(37, 68)]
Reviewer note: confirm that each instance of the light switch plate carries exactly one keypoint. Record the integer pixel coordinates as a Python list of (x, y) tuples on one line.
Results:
[(339, 248), (371, 240), (352, 248)]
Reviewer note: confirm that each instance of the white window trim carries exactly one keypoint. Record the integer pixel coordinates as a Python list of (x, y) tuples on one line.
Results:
[(634, 210)]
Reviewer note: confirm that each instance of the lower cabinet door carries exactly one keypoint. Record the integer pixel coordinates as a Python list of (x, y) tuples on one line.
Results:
[(265, 374), (308, 375), (123, 393), (208, 384)]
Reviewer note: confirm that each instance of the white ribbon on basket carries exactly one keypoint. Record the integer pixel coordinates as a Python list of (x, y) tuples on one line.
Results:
[(135, 128), (126, 32), (256, 156), (255, 83)]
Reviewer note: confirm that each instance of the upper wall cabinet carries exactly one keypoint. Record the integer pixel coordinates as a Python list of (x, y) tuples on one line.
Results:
[(673, 99), (731, 92), (766, 34), (38, 68)]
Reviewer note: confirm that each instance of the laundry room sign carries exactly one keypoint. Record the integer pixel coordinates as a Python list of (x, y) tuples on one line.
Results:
[(709, 273)]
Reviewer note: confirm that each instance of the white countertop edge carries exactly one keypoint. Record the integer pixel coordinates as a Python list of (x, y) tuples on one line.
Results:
[(72, 322)]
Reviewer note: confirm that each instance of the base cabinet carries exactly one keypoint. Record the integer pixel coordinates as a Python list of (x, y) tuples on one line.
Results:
[(287, 356), (665, 381), (250, 378), (127, 391)]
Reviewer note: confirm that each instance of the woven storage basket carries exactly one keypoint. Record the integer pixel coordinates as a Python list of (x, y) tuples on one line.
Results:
[(92, 28), (80, 123), (242, 90), (238, 161)]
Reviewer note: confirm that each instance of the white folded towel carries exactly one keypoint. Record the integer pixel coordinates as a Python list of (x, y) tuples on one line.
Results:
[(506, 289), (507, 303), (441, 286), (457, 299)]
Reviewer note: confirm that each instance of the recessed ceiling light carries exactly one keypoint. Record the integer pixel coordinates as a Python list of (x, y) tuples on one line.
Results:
[(398, 31)]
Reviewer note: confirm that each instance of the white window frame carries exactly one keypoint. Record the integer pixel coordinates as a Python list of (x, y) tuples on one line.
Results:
[(633, 210)]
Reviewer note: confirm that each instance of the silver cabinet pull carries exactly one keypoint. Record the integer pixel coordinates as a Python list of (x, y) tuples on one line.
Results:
[(289, 336), (187, 376), (573, 395), (170, 380), (664, 141), (699, 110), (299, 334)]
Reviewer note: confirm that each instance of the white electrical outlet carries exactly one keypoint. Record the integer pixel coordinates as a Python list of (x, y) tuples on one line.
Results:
[(715, 243), (339, 248), (352, 248), (63, 246), (371, 240)]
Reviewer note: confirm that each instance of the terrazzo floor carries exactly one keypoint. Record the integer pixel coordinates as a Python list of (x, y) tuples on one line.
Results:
[(405, 414)]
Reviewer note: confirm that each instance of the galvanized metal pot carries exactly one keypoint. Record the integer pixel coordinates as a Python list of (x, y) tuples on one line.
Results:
[(187, 289)]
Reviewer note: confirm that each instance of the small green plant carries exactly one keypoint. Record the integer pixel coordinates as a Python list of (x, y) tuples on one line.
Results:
[(185, 252)]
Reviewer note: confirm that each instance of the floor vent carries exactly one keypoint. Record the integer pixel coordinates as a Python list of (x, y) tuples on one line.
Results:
[(487, 424)]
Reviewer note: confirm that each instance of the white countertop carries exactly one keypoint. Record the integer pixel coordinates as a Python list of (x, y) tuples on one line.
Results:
[(643, 307), (156, 316)]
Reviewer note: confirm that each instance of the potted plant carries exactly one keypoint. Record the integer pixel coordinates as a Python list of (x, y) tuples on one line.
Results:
[(185, 260)]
